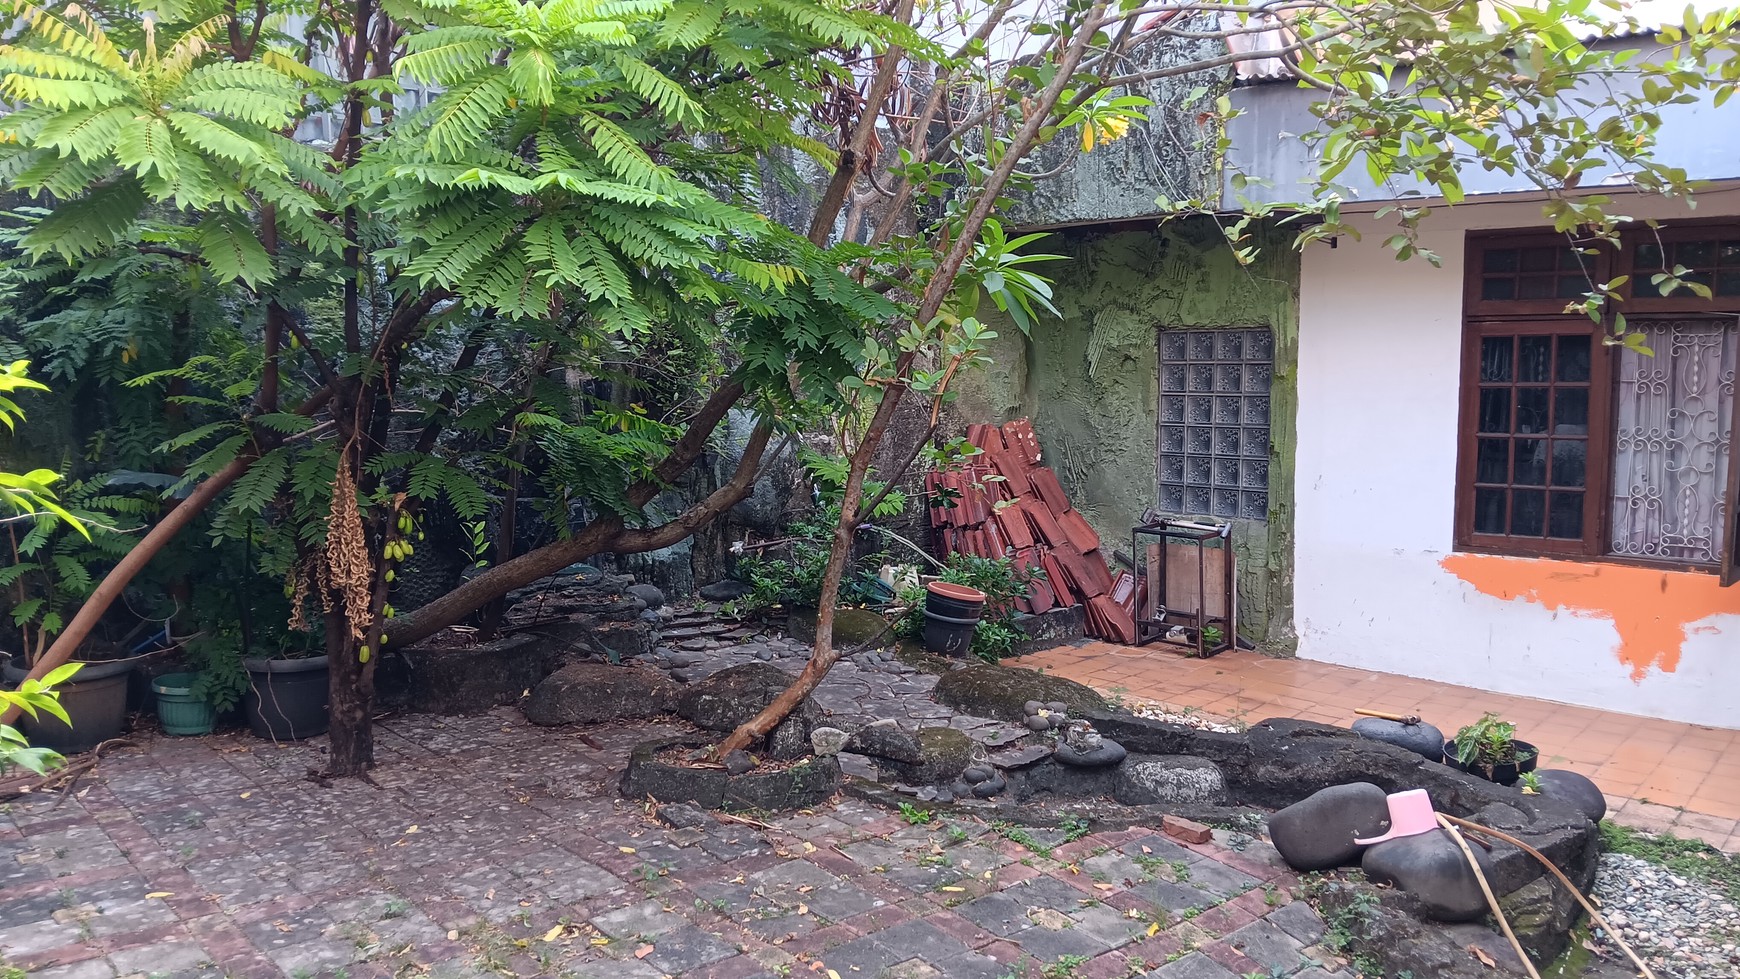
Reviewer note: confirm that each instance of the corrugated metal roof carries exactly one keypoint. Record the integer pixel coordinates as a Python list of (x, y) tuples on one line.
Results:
[(1628, 22)]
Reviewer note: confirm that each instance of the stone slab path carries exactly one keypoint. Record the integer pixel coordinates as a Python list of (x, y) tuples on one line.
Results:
[(490, 847)]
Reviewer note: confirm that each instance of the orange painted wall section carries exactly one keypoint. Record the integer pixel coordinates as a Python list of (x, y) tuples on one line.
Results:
[(1652, 611)]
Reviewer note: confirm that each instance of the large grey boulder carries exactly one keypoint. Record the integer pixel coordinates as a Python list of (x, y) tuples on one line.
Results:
[(1002, 692), (1422, 739), (724, 591), (593, 693), (1317, 832), (729, 697), (884, 739), (1169, 780), (1578, 790), (1432, 868), (943, 754)]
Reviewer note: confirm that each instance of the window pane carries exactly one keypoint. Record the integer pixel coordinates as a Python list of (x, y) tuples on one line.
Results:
[(1495, 358), (1498, 289), (1728, 284), (1536, 287), (1492, 461), (1571, 411), (1499, 260), (1531, 410), (1495, 410), (1528, 513), (1698, 255), (1573, 286), (1672, 445), (1573, 358), (1540, 259), (1535, 361), (1530, 462), (1648, 257), (1565, 518), (1489, 511), (1569, 462)]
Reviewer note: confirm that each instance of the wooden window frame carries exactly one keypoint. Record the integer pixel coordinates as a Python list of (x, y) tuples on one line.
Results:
[(1642, 297), (1598, 457), (1484, 317), (1599, 266)]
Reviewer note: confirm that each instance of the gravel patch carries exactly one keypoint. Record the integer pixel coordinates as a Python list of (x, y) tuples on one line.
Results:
[(1682, 928), (1154, 710)]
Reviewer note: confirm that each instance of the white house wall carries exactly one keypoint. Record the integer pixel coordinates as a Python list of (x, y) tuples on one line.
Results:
[(1379, 584)]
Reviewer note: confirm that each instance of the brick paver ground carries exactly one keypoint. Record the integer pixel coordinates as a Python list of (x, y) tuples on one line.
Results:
[(1659, 776), (494, 848)]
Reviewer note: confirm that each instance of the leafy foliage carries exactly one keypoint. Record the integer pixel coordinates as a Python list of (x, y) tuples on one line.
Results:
[(1001, 581), (34, 698)]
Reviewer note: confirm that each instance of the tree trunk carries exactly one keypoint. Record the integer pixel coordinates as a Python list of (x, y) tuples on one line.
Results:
[(351, 688), (940, 286)]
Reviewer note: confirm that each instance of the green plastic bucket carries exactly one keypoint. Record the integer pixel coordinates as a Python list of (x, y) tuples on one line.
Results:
[(178, 709)]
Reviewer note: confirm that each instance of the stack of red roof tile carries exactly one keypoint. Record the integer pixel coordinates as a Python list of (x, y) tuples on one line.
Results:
[(1008, 503)]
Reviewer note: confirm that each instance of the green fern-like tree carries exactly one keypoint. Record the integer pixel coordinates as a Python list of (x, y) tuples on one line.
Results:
[(565, 203)]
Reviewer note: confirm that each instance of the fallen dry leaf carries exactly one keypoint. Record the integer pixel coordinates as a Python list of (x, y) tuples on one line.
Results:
[(1104, 887), (1485, 959), (1153, 929), (952, 889), (643, 951), (553, 934), (489, 894), (600, 940), (803, 909), (1146, 849), (833, 975), (453, 934), (159, 894), (626, 849), (414, 829)]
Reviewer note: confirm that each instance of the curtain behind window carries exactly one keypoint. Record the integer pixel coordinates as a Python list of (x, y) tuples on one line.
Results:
[(1674, 442)]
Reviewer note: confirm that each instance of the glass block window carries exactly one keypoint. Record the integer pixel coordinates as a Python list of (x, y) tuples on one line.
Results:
[(1214, 422)]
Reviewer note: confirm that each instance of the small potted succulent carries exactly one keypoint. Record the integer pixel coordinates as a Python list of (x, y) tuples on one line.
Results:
[(1490, 749)]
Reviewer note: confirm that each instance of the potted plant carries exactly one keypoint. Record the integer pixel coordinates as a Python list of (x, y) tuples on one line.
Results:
[(47, 577), (286, 697), (189, 703), (1489, 748)]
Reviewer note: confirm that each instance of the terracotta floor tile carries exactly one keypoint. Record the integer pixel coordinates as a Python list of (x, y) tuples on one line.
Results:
[(1714, 824)]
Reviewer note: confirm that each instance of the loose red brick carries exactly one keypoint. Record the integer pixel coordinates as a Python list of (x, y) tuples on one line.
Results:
[(1187, 830)]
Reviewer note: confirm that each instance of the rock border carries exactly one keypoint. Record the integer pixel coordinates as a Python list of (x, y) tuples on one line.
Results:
[(803, 784)]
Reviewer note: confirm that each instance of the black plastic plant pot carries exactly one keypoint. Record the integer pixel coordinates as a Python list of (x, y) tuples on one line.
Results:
[(954, 601), (1506, 774), (286, 698), (947, 636), (95, 700)]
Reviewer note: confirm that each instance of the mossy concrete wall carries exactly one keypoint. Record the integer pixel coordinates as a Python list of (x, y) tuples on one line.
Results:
[(1090, 381)]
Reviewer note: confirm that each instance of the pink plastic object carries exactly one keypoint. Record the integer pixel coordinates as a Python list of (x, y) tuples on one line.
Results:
[(1410, 815)]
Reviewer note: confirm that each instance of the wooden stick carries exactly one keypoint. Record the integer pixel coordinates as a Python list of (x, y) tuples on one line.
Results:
[(1491, 898), (1398, 718), (1594, 914)]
